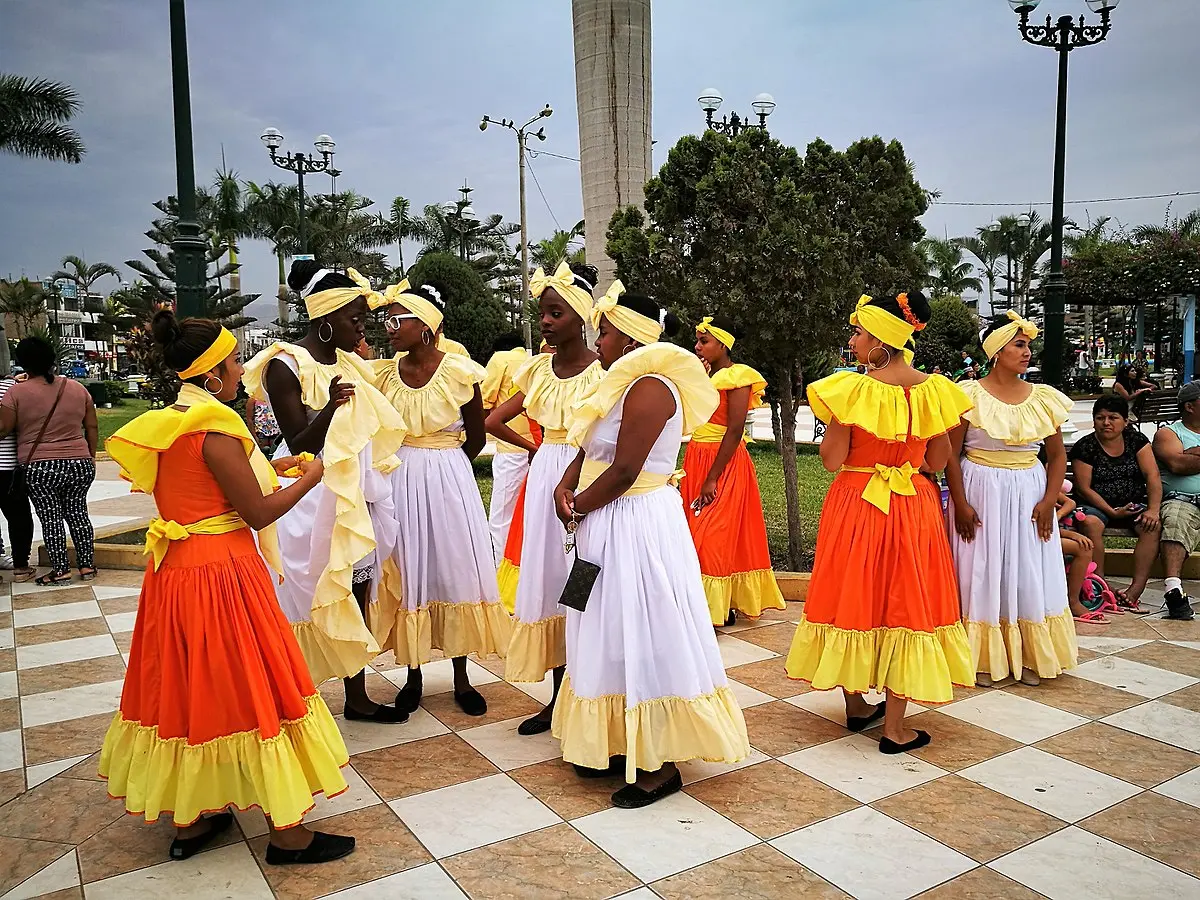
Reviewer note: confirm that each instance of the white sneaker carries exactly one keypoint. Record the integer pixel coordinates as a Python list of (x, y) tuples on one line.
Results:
[(6, 563)]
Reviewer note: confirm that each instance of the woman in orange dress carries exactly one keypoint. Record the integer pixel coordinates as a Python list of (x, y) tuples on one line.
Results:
[(882, 609), (720, 488), (218, 708)]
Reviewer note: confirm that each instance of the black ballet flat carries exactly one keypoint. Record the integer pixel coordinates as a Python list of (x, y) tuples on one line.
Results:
[(383, 715), (633, 797), (471, 702), (731, 619), (616, 766), (323, 848), (891, 747), (409, 697), (533, 725), (858, 723), (186, 848)]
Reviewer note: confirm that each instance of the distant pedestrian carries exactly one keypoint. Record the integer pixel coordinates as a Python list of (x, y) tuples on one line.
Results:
[(14, 503)]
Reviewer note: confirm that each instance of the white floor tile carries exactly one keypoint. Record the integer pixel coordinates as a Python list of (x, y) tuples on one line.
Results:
[(1050, 783), (1134, 677), (107, 490), (8, 685), (698, 770), (105, 592), (228, 873), (831, 705), (437, 677), (1108, 644), (55, 652), (747, 696), (12, 751), (642, 893), (506, 749), (1185, 788), (35, 775), (738, 653), (427, 882), (1188, 645), (854, 766), (120, 623), (60, 875), (1072, 863), (1016, 717), (29, 587), (873, 857), (542, 691), (358, 795), (70, 703), (1163, 722), (56, 612), (6, 639), (361, 737), (667, 837), (465, 816), (5, 599)]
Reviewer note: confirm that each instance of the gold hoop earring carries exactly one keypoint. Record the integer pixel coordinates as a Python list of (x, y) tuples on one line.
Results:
[(321, 333), (220, 384), (632, 345), (426, 337), (886, 352)]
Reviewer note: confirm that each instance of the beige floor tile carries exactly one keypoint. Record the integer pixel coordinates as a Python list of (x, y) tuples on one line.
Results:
[(779, 728), (555, 783), (61, 631), (71, 674), (1077, 695), (419, 766), (129, 844), (957, 744), (58, 740), (63, 810), (980, 884), (504, 702), (1166, 656), (1130, 757), (22, 858), (769, 677), (227, 873), (1154, 826), (759, 873), (35, 597), (773, 637)]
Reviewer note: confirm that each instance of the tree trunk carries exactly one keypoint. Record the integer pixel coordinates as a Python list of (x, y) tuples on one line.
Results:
[(776, 429), (786, 439)]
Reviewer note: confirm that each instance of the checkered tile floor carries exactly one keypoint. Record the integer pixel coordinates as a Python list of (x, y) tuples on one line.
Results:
[(1086, 786)]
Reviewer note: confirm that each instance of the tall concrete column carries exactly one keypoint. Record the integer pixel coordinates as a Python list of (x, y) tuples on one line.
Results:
[(612, 88)]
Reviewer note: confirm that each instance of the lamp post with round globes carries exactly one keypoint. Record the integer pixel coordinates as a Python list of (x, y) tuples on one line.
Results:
[(302, 164), (710, 101), (522, 133), (1064, 36)]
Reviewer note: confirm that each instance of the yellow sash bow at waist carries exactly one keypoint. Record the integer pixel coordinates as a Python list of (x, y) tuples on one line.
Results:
[(646, 482), (885, 481), (439, 440), (708, 433), (1004, 459), (554, 436), (162, 532)]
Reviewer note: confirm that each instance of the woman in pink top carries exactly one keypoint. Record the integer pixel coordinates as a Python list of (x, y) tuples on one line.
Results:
[(57, 434)]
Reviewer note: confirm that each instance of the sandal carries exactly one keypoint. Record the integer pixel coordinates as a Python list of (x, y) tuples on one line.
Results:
[(23, 576), (50, 579), (88, 574), (1095, 617)]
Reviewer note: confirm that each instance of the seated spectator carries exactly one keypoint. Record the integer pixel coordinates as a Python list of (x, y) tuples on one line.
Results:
[(1117, 484), (1132, 385), (1177, 449), (1077, 553)]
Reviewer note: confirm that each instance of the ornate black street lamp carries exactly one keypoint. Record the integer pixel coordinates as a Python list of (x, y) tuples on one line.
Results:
[(710, 101), (189, 248), (302, 164), (1064, 36)]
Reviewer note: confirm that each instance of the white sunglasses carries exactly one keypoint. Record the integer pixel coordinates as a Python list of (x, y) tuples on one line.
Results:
[(393, 323)]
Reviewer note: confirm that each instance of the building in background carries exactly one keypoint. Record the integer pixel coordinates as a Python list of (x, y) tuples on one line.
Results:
[(78, 324)]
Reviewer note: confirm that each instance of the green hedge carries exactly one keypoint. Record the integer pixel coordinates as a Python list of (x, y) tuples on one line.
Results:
[(106, 392)]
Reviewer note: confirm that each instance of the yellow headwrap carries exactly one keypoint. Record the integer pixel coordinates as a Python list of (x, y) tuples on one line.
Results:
[(881, 324), (322, 303), (564, 284), (707, 327), (998, 339), (641, 328), (416, 304), (225, 344)]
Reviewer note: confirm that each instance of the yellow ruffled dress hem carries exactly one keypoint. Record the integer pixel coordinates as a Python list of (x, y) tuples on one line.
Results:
[(747, 592), (1047, 647), (535, 649), (327, 657), (280, 775), (457, 629), (649, 734), (916, 665), (506, 577)]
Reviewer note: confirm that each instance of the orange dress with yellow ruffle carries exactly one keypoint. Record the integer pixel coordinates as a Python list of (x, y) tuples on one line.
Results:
[(510, 565), (882, 610)]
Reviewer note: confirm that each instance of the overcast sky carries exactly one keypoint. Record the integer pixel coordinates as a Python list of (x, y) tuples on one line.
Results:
[(401, 86)]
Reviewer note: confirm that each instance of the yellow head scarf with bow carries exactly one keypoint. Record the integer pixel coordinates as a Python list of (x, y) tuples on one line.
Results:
[(707, 327), (882, 325), (224, 345), (419, 306), (564, 283), (998, 339), (641, 328), (322, 303)]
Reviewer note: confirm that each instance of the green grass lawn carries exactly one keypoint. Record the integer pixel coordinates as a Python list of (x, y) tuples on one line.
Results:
[(112, 419)]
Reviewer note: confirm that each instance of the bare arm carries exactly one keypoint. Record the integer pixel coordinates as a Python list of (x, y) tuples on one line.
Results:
[(498, 419), (8, 421), (835, 446), (301, 436), (1154, 488), (91, 430), (250, 404), (739, 407), (937, 453), (225, 456), (1056, 466), (472, 414), (1168, 450)]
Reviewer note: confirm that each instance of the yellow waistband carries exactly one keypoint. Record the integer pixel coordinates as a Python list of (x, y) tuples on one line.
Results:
[(709, 433), (885, 481), (646, 483), (1003, 459), (504, 447), (439, 440), (162, 532), (554, 436)]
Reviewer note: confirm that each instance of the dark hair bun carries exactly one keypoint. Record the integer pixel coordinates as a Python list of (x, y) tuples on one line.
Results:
[(920, 307), (164, 328), (671, 324), (727, 324), (302, 273), (590, 274), (433, 294)]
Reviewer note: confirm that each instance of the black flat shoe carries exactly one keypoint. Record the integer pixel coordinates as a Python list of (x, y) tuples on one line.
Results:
[(323, 848), (616, 766), (471, 702), (409, 697), (731, 619), (890, 747), (633, 797), (858, 723), (533, 725), (185, 848), (384, 715)]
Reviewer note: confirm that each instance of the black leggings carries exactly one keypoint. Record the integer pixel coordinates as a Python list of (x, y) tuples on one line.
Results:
[(58, 489), (14, 504)]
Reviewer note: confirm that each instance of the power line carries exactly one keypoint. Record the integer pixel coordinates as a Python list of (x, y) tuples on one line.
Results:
[(1069, 202), (543, 193), (536, 153)]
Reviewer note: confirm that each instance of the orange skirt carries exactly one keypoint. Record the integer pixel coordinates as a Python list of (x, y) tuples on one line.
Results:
[(730, 535), (218, 708), (510, 565), (882, 608)]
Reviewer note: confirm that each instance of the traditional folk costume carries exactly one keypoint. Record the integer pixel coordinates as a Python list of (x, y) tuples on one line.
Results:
[(882, 606), (510, 464), (443, 550), (329, 540), (539, 625), (218, 707), (644, 674), (1012, 583), (730, 534)]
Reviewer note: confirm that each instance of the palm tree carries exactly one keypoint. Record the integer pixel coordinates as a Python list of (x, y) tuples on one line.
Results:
[(988, 248), (949, 274), (25, 301), (551, 251), (403, 227), (1187, 227), (230, 217), (441, 231), (32, 116), (76, 270), (272, 209)]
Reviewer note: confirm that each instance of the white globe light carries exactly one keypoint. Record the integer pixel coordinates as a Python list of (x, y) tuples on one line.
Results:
[(1098, 6), (324, 143), (710, 99), (1024, 6), (763, 104), (273, 138)]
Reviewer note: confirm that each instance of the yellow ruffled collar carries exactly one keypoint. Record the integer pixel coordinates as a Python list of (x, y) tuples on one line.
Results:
[(437, 404), (935, 406), (739, 375), (549, 398), (1034, 419)]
